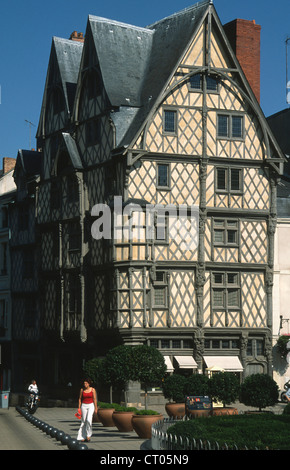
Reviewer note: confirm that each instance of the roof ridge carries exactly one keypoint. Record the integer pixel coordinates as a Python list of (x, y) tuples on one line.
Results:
[(118, 23), (68, 41), (182, 12)]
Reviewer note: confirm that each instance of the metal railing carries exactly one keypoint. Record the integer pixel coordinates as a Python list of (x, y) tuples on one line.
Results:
[(161, 440)]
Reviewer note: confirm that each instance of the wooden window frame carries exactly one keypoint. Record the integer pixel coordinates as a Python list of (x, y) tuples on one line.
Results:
[(230, 117)]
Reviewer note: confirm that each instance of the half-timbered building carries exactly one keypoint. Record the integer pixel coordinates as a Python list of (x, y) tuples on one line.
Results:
[(157, 117)]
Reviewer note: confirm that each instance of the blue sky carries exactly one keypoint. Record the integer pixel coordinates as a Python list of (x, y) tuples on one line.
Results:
[(27, 28)]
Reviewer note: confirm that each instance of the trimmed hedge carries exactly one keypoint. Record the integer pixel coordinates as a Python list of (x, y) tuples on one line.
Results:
[(262, 431)]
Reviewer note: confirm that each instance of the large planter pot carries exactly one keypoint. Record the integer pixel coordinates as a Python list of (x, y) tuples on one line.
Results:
[(105, 416), (199, 413), (123, 420), (175, 410), (142, 424), (96, 417), (224, 411)]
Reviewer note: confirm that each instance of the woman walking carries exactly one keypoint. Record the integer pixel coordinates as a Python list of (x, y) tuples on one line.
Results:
[(88, 405)]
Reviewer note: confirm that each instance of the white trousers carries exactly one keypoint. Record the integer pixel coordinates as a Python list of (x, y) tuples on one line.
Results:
[(86, 427)]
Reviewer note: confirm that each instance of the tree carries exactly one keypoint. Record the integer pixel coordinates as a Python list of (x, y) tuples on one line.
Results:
[(259, 390), (197, 384), (174, 388), (148, 366), (94, 370), (118, 367), (224, 387)]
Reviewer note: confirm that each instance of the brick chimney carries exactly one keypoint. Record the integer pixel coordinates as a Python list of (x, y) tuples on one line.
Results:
[(244, 37), (78, 37), (8, 164)]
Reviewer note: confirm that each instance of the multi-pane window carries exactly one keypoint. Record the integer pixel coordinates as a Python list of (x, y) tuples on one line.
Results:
[(163, 175), (230, 126), (229, 180), (170, 119), (221, 343), (159, 296), (255, 347), (225, 290), (160, 290), (161, 229), (170, 343), (225, 232), (195, 83)]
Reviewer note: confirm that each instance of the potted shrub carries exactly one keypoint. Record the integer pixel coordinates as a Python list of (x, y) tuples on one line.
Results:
[(174, 390), (142, 422), (105, 413), (224, 387), (122, 418), (259, 390), (197, 385)]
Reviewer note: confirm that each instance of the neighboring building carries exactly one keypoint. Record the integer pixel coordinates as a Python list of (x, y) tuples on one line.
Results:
[(157, 115), (280, 125), (26, 328), (7, 193)]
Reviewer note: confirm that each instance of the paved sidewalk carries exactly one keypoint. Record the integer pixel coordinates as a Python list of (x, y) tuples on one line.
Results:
[(104, 438), (13, 426)]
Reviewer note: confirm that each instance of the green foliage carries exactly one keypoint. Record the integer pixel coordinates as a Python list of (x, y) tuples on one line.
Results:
[(224, 387), (118, 365), (148, 365), (265, 431), (174, 388), (127, 408), (147, 412), (281, 345), (197, 385), (94, 370), (105, 405), (259, 390)]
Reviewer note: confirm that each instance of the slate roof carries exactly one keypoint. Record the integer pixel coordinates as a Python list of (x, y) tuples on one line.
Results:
[(68, 57), (130, 59), (30, 161)]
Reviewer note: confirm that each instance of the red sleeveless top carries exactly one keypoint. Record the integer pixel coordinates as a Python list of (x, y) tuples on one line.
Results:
[(87, 397)]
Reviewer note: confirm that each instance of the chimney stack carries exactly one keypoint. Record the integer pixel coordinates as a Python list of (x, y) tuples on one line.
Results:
[(8, 164), (78, 37), (244, 37)]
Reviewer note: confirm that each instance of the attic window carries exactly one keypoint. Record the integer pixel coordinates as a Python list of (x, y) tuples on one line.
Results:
[(195, 83)]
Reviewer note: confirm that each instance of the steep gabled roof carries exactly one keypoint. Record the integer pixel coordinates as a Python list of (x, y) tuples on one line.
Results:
[(137, 63), (67, 55)]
